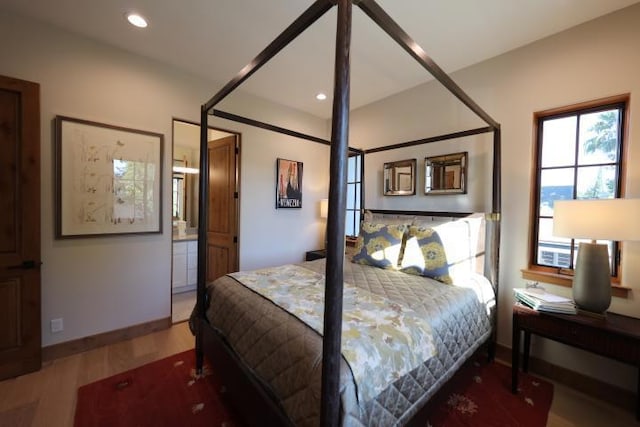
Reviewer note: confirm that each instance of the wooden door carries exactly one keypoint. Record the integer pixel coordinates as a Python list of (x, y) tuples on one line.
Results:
[(20, 341), (222, 221)]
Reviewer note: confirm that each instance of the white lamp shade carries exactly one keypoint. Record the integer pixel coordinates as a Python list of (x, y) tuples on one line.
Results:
[(324, 208), (183, 169), (602, 219)]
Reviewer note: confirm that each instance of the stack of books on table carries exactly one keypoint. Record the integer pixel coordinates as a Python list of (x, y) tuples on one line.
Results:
[(541, 300)]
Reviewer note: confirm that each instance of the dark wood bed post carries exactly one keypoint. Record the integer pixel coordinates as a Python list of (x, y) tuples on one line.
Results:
[(384, 21), (312, 14), (388, 25), (331, 342), (332, 356), (494, 230), (202, 237)]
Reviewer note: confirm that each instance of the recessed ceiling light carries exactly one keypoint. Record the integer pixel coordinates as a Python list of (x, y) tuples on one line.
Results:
[(321, 96), (137, 20)]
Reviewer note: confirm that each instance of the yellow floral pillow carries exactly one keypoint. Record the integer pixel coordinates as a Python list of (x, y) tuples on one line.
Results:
[(379, 244), (424, 255)]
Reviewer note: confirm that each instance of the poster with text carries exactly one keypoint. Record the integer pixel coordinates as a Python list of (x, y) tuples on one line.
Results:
[(288, 184)]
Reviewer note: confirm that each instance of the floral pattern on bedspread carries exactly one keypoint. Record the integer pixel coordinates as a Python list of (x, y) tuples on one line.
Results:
[(381, 339)]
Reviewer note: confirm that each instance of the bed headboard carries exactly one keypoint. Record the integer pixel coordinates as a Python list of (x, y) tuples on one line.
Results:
[(463, 235)]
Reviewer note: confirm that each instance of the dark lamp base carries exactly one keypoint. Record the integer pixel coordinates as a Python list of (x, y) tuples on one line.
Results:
[(592, 279)]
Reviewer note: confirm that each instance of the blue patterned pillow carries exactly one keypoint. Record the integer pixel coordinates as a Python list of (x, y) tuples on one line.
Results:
[(379, 245), (424, 255)]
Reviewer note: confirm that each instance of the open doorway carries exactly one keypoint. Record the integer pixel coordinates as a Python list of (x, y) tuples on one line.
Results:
[(184, 206)]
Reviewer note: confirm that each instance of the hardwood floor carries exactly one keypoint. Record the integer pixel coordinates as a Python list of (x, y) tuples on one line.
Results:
[(181, 306), (48, 397), (570, 408)]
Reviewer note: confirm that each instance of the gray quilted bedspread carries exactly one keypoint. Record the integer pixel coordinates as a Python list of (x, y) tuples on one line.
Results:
[(285, 354)]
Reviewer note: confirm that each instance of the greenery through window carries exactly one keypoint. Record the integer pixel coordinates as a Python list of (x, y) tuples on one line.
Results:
[(132, 190), (354, 190), (178, 197), (579, 156)]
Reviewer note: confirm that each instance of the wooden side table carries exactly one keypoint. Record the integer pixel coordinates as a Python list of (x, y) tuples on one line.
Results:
[(317, 254), (615, 336)]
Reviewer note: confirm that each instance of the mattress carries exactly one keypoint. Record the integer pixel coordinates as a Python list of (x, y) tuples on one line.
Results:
[(285, 354)]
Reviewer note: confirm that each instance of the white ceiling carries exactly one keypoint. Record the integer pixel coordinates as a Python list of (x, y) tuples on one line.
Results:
[(216, 38)]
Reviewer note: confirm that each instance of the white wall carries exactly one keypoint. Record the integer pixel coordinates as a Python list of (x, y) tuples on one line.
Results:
[(99, 285), (103, 284), (595, 60), (478, 193)]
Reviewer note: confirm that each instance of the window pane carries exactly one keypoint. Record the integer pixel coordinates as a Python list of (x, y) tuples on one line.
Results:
[(552, 251), (351, 193), (356, 223), (351, 169), (596, 182), (598, 138), (176, 197), (139, 170), (350, 224), (555, 184), (559, 142), (579, 156)]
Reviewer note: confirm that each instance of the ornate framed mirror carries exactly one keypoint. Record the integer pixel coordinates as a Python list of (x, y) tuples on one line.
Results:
[(446, 174), (400, 178)]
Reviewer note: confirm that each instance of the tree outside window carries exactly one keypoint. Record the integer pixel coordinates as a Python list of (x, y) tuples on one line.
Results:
[(579, 156)]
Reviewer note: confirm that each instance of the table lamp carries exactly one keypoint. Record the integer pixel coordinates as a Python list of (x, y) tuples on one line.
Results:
[(595, 219)]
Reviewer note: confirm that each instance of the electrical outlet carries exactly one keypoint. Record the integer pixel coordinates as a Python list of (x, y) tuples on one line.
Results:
[(57, 325)]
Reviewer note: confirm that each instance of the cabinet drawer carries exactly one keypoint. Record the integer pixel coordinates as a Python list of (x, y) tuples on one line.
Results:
[(180, 248), (538, 324), (192, 260), (587, 337), (179, 270), (622, 348), (192, 276), (566, 332)]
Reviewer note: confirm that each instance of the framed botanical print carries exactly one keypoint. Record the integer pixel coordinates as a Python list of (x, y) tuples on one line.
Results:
[(108, 179)]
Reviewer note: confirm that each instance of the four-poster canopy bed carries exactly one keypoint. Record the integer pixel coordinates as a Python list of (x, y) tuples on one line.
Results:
[(214, 324)]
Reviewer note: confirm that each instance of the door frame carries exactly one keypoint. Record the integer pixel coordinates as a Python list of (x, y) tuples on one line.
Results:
[(238, 137), (21, 265)]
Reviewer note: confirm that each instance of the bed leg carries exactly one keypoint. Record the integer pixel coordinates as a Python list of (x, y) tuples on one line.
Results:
[(491, 349), (199, 348)]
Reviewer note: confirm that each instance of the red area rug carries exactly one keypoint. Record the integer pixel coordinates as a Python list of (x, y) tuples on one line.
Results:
[(167, 393), (479, 395), (162, 393)]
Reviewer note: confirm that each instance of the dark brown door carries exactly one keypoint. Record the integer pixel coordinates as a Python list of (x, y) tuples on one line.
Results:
[(222, 221), (19, 227)]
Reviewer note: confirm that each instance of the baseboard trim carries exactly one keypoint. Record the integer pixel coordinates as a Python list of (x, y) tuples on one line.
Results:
[(69, 348), (590, 386)]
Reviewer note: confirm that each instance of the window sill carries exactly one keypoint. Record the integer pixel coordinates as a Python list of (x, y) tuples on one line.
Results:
[(566, 281)]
